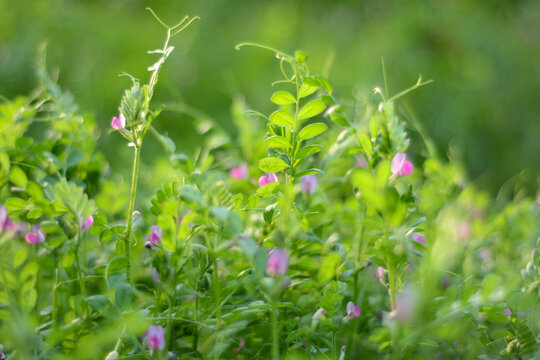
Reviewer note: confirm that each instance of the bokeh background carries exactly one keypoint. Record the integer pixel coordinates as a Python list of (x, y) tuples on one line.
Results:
[(484, 56)]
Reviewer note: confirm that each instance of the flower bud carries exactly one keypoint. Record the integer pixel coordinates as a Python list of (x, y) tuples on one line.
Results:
[(401, 166)]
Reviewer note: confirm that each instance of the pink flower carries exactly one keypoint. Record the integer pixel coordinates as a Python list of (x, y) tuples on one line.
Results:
[(263, 180), (36, 236), (157, 233), (308, 184), (401, 166), (6, 224), (87, 224), (380, 273), (419, 238), (278, 262), (240, 172), (353, 311), (118, 123), (155, 338)]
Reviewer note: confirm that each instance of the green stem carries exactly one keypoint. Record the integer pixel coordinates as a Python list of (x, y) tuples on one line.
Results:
[(391, 283), (127, 239), (275, 334), (78, 263), (295, 128), (217, 294), (54, 296)]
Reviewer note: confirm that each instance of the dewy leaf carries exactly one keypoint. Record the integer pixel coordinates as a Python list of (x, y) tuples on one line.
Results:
[(282, 98), (312, 130), (277, 142), (281, 118), (272, 164), (311, 109)]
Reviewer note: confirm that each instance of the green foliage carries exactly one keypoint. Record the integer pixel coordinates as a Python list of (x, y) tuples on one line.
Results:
[(231, 270)]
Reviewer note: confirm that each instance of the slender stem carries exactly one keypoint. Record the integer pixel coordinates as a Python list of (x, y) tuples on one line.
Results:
[(217, 290), (173, 281), (54, 296), (80, 274), (295, 127), (391, 283), (127, 239), (275, 334)]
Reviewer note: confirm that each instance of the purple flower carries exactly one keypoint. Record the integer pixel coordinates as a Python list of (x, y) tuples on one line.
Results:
[(36, 236), (380, 274), (6, 224), (278, 262), (419, 238), (118, 123), (155, 276), (240, 172), (401, 166), (353, 311), (2, 356), (87, 224), (509, 312), (154, 337), (308, 183), (263, 180), (157, 233)]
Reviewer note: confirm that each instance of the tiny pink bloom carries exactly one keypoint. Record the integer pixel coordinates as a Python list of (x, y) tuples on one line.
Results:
[(263, 180), (401, 166), (155, 338), (353, 311), (308, 183), (6, 224), (118, 123), (240, 172), (157, 233), (87, 224), (419, 238), (507, 312), (380, 273), (36, 236), (278, 262)]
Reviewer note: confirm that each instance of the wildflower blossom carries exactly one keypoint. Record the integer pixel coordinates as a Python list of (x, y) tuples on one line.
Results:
[(308, 183), (157, 234), (278, 262), (6, 224), (154, 338), (419, 238), (263, 180), (353, 311), (240, 172), (401, 166), (118, 123), (87, 224), (36, 236), (380, 274)]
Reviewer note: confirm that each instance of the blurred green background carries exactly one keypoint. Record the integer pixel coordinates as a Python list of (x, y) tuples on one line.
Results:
[(483, 55)]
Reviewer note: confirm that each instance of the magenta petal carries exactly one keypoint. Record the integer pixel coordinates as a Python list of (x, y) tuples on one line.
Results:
[(418, 238), (278, 262), (155, 337), (380, 271), (272, 177), (406, 168), (263, 180), (31, 238)]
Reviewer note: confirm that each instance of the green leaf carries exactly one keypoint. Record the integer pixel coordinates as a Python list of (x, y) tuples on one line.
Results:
[(365, 141), (312, 130), (272, 164), (277, 142), (268, 190), (328, 268), (311, 109), (308, 172), (124, 296), (15, 204), (98, 302), (308, 87), (35, 191), (281, 118), (74, 157), (340, 119), (268, 214), (324, 83), (18, 177), (308, 150), (300, 56), (106, 236), (282, 98)]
